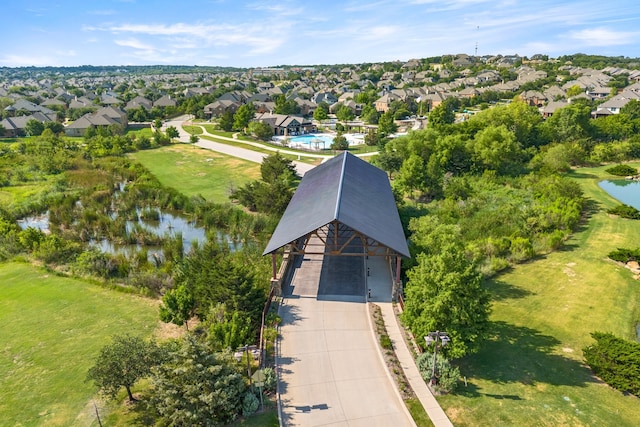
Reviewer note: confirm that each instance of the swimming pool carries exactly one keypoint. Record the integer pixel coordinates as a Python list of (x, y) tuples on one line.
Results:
[(312, 141)]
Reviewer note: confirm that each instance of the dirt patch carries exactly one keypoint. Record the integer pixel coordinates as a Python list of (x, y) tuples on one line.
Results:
[(166, 331)]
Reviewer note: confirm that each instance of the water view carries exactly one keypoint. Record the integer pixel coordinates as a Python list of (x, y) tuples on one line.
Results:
[(167, 224), (626, 191)]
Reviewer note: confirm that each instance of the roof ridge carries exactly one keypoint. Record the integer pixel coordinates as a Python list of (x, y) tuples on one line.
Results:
[(341, 181)]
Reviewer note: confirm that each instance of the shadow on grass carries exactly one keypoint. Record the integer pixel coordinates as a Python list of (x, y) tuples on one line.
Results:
[(502, 290), (518, 354)]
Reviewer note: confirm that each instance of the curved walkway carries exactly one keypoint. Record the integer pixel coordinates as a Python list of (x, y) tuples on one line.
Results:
[(243, 153)]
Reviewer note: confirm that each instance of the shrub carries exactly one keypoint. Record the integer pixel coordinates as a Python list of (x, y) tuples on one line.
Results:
[(625, 255), (625, 211), (385, 342), (615, 361), (622, 170), (270, 380), (250, 404), (446, 374)]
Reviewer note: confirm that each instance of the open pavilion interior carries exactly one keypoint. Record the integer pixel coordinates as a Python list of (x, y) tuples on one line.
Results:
[(343, 218)]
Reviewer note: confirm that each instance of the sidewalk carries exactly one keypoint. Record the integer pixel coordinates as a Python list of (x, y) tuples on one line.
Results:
[(420, 388)]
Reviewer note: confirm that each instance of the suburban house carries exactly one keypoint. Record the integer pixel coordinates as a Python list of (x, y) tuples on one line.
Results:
[(16, 126), (165, 101), (22, 105), (105, 116), (219, 107), (137, 102), (533, 98), (286, 125), (551, 107), (614, 104), (383, 103)]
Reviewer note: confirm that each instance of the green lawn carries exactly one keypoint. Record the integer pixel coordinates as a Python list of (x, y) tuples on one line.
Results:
[(52, 330), (531, 371), (196, 171)]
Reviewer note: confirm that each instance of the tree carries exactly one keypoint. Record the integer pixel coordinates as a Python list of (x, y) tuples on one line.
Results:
[(496, 148), (178, 306), (157, 124), (344, 113), (370, 115), (574, 91), (388, 161), (321, 112), (194, 138), (273, 193), (56, 127), (243, 116), (34, 127), (197, 387), (123, 362), (441, 115), (172, 132), (226, 121), (285, 106), (570, 123), (444, 293), (261, 130), (340, 142), (386, 125), (631, 109), (411, 176), (276, 167)]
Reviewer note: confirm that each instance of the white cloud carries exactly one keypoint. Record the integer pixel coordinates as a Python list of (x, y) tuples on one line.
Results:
[(380, 32), (134, 43), (13, 60), (604, 37)]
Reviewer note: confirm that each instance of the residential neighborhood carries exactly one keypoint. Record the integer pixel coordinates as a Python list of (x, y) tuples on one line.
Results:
[(80, 99)]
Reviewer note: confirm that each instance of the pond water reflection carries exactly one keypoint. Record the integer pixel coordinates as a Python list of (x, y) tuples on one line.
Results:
[(167, 224), (624, 190)]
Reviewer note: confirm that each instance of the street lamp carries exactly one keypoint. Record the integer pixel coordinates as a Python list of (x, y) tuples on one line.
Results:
[(432, 338)]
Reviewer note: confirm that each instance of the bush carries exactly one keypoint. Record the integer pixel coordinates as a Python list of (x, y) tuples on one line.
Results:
[(625, 255), (447, 375), (385, 342), (270, 380), (615, 361), (622, 170), (249, 404), (625, 211)]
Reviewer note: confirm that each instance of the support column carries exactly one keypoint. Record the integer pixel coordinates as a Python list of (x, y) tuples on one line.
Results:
[(398, 265), (274, 265)]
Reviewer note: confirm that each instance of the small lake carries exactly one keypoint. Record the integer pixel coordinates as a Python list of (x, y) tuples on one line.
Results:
[(168, 224), (624, 190)]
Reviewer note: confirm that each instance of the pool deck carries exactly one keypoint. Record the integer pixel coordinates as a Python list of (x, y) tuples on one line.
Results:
[(327, 138)]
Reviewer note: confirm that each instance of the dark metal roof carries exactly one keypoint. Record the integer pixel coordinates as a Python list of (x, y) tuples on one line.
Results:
[(345, 189)]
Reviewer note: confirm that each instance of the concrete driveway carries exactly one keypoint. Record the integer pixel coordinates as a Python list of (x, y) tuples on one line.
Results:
[(331, 371)]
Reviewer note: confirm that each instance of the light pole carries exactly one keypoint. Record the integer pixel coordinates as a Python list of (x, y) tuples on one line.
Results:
[(432, 338)]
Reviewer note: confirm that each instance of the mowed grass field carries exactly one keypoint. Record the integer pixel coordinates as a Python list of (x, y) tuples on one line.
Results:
[(531, 372), (196, 171), (52, 329)]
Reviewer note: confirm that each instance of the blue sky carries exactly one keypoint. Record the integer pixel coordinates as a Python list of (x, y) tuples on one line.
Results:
[(269, 33)]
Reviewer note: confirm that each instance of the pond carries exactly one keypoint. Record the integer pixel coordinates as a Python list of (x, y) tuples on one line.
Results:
[(625, 190), (167, 224)]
